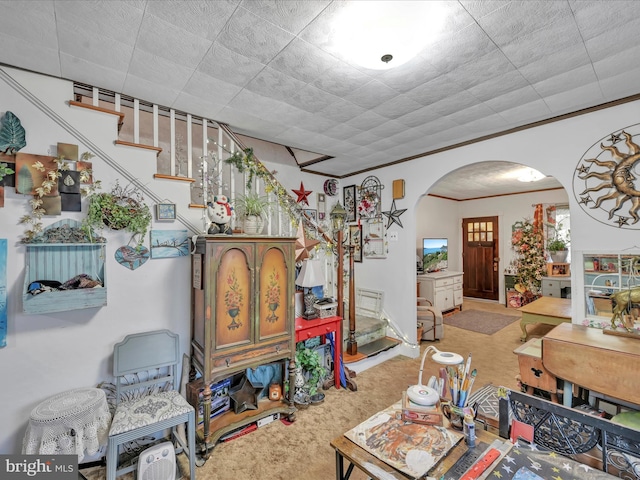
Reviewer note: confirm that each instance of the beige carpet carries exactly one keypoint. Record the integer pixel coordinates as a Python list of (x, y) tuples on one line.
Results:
[(302, 450), (481, 321)]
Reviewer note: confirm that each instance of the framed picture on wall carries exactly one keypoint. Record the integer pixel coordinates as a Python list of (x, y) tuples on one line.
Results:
[(349, 201), (355, 239)]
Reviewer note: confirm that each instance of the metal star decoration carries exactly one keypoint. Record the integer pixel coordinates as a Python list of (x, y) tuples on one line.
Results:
[(302, 194), (394, 215), (303, 244), (245, 396)]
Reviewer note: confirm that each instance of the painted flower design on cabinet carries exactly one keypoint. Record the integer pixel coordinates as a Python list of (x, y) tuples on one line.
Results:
[(233, 299), (272, 295)]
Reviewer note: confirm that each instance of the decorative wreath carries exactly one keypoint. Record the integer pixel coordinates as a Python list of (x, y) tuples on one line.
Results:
[(368, 204)]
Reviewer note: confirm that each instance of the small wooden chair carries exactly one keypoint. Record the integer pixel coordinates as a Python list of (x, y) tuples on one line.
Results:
[(431, 319), (147, 400)]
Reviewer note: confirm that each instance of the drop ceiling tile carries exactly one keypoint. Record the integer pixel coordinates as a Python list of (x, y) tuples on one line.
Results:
[(210, 88), (515, 19), (555, 64), (146, 65), (250, 125), (35, 26), (311, 99), (229, 66), (408, 76), (253, 37), (484, 126), (371, 94), (148, 91), (419, 117), (117, 19), (341, 79), (342, 132), (617, 63), (509, 100), (574, 99), (96, 49), (616, 87), (613, 41), (366, 120), (436, 126), (458, 48), (302, 60), (508, 82), (85, 72), (341, 111), (397, 107), (480, 8), (202, 18), (483, 69), (166, 40), (363, 139), (526, 112), (523, 50), (321, 30), (594, 20), (566, 82), (388, 129), (198, 105), (470, 114), (274, 84), (291, 16), (34, 57), (435, 90), (455, 103), (313, 123)]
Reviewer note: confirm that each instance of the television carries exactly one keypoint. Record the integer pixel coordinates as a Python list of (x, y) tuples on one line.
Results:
[(435, 254)]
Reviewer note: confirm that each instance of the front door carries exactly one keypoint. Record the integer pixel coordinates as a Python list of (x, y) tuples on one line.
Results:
[(480, 261)]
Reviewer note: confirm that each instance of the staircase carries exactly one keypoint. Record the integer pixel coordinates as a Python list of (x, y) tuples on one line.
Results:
[(188, 164)]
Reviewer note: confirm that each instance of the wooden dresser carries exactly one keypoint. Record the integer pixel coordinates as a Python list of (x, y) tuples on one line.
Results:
[(242, 316)]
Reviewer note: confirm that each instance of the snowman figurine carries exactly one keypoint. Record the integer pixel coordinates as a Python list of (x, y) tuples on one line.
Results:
[(219, 213)]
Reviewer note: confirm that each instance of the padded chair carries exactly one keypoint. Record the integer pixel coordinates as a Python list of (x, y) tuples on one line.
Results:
[(147, 401), (431, 319)]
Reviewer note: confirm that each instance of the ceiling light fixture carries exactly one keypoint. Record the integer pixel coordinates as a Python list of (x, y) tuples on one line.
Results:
[(530, 175), (385, 34)]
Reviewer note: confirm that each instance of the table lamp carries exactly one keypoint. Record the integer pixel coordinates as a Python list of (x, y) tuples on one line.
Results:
[(311, 275), (421, 394)]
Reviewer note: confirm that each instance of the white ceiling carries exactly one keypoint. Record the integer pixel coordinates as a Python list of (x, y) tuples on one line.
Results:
[(272, 69)]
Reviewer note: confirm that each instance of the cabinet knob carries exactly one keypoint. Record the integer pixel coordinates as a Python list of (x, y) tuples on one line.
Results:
[(327, 329), (277, 348), (308, 335), (227, 361)]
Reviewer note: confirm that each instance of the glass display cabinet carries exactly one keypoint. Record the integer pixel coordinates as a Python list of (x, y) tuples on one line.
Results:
[(604, 275)]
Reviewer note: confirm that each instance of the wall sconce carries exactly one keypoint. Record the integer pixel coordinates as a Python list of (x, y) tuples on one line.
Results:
[(421, 394), (311, 275)]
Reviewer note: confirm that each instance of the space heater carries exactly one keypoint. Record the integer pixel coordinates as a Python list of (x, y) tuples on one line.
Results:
[(157, 463)]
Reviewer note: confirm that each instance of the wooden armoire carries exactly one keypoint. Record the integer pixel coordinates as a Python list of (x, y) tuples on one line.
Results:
[(242, 316)]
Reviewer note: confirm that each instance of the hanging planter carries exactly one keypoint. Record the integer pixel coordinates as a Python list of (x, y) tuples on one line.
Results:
[(120, 209)]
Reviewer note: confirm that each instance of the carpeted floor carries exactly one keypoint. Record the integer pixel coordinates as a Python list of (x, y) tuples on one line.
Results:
[(481, 321), (302, 449)]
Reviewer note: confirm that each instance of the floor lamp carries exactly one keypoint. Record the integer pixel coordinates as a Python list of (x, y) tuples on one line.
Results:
[(338, 217)]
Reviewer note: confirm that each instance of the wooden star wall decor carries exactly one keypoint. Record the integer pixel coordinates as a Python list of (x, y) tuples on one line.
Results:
[(394, 215), (302, 194), (303, 244)]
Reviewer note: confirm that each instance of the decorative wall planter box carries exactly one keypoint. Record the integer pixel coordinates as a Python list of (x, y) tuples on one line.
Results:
[(78, 267)]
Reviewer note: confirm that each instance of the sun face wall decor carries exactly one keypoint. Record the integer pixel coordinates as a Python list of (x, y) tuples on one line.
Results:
[(605, 181)]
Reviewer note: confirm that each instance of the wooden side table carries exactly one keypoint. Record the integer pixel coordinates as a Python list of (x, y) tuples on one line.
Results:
[(306, 329), (532, 371)]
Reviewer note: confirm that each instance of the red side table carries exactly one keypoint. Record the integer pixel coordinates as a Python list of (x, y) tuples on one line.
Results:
[(306, 329)]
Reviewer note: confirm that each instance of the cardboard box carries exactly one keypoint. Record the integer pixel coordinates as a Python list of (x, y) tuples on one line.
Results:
[(420, 414)]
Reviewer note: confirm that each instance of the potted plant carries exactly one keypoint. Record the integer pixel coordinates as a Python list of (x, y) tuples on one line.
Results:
[(310, 362), (121, 209), (252, 209), (557, 245)]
